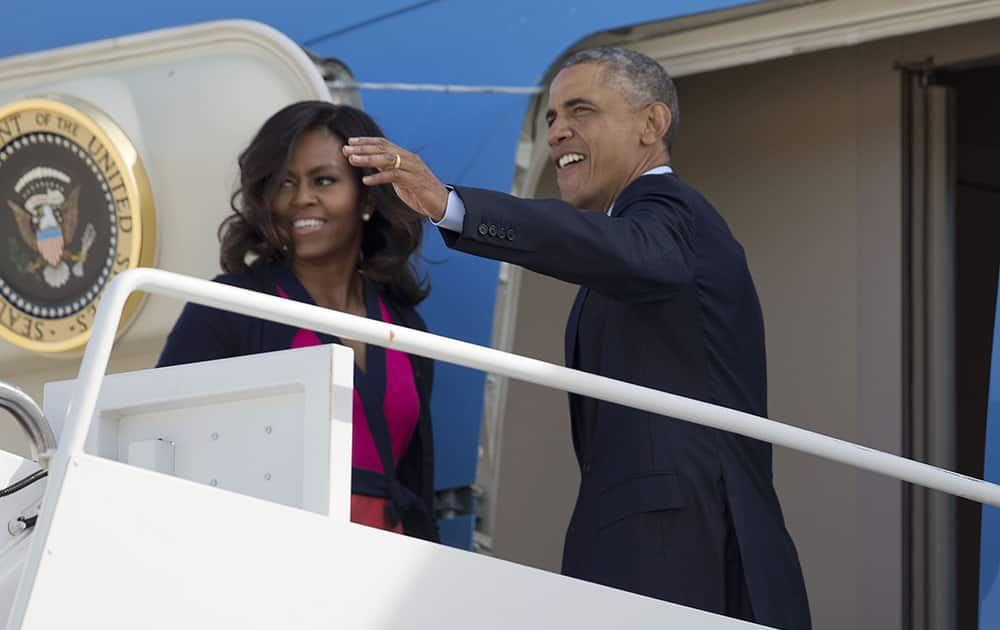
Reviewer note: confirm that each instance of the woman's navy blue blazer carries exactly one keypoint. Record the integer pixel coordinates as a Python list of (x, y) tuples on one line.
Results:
[(204, 333)]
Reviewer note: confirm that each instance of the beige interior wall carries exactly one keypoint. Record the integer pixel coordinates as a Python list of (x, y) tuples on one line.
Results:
[(538, 472), (802, 157)]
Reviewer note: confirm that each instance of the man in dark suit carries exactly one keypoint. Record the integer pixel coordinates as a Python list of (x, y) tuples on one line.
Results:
[(665, 508)]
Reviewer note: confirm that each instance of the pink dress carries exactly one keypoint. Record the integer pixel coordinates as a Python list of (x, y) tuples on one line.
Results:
[(401, 409)]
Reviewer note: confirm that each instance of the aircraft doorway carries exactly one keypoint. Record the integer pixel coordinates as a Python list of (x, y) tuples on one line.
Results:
[(976, 203), (804, 157)]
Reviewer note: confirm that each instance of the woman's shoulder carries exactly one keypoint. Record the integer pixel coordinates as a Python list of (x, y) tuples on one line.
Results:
[(239, 279), (194, 312), (254, 278)]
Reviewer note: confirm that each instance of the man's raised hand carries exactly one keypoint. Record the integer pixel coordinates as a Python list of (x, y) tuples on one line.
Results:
[(415, 184)]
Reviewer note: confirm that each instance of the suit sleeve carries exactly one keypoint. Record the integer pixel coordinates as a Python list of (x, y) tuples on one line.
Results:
[(642, 255)]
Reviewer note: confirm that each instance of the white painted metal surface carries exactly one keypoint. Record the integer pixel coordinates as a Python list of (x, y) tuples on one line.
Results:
[(128, 548), (487, 359), (275, 426), (120, 545), (196, 555), (14, 546)]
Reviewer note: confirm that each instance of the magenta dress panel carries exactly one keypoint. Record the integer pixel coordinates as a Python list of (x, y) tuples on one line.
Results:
[(401, 404)]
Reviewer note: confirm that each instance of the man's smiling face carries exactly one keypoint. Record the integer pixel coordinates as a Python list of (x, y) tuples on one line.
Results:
[(594, 137)]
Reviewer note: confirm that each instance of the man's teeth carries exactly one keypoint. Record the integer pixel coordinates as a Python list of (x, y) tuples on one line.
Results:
[(308, 223), (570, 158)]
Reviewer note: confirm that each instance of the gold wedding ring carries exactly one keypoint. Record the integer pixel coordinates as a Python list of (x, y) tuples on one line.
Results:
[(396, 162)]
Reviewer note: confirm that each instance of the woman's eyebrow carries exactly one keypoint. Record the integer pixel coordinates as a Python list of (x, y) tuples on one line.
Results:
[(323, 168)]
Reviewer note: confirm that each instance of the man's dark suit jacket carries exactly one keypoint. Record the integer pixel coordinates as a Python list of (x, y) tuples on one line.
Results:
[(665, 508)]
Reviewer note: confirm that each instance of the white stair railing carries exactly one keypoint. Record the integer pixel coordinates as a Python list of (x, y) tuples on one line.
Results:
[(98, 351)]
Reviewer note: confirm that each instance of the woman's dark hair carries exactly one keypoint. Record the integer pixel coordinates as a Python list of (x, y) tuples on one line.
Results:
[(389, 238)]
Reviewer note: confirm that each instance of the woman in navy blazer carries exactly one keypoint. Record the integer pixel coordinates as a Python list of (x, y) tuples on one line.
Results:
[(304, 228)]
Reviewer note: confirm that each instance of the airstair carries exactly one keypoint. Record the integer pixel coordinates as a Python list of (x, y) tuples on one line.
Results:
[(217, 494)]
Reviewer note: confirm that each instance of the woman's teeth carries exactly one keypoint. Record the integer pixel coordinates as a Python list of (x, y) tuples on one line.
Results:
[(306, 224)]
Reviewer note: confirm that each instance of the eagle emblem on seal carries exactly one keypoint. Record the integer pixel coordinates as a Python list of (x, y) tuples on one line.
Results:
[(46, 213)]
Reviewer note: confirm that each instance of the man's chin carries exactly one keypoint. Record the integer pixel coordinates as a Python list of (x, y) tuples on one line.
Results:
[(579, 200), (571, 197), (582, 204)]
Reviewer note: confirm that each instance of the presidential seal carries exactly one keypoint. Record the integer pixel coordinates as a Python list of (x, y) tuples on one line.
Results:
[(75, 209)]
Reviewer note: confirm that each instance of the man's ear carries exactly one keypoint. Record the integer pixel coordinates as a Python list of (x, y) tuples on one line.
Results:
[(658, 118)]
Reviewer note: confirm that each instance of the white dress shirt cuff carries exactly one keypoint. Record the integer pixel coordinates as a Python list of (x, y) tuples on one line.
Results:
[(454, 213)]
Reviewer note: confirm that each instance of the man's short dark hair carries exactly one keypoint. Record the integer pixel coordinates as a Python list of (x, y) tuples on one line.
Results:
[(640, 79)]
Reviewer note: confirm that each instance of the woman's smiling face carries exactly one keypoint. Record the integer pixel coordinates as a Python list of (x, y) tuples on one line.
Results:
[(317, 200)]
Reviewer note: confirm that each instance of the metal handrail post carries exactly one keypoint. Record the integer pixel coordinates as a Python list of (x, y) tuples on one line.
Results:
[(32, 421)]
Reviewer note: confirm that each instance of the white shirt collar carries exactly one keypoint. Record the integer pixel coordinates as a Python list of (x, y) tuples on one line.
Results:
[(656, 170)]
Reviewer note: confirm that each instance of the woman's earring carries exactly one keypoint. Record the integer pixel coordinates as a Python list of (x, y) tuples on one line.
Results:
[(365, 216)]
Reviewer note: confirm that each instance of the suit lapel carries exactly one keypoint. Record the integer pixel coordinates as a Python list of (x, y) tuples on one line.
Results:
[(573, 325)]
